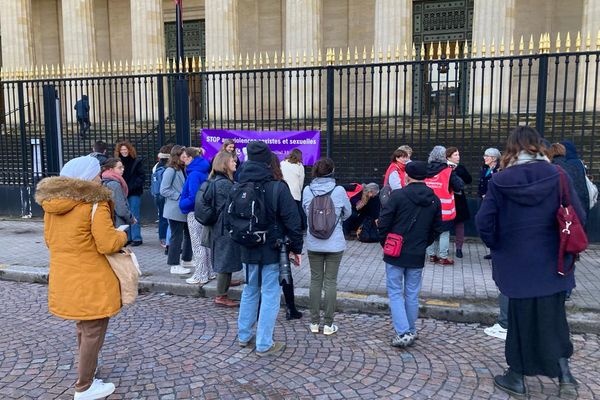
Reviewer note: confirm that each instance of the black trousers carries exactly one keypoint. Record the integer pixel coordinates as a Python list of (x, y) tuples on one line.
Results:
[(538, 335), (180, 240)]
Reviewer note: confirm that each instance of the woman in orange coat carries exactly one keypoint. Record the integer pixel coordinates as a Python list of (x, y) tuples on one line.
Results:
[(82, 286)]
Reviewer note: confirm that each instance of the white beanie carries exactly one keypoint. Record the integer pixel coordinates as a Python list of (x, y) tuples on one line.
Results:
[(86, 168)]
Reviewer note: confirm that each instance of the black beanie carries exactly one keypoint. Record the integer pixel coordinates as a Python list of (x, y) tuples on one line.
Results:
[(417, 170), (259, 151)]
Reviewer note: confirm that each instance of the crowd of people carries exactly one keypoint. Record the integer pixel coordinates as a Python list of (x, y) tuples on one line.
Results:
[(217, 217)]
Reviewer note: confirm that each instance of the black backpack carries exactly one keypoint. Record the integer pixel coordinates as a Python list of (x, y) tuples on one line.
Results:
[(247, 217), (321, 216), (384, 194), (205, 209)]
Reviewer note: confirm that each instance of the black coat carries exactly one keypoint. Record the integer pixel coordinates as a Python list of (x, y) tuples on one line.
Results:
[(134, 175), (225, 252), (577, 174), (397, 216), (484, 178), (460, 198), (287, 217)]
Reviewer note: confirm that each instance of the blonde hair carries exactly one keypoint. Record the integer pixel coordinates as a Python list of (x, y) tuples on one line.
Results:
[(219, 164)]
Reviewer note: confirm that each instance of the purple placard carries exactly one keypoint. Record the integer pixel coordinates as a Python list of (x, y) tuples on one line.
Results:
[(280, 142)]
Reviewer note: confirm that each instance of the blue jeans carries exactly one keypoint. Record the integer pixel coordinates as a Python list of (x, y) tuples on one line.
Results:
[(268, 295), (163, 223), (135, 230), (441, 246), (403, 285), (503, 317)]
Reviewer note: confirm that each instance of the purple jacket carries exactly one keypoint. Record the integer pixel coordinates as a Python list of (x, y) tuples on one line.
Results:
[(517, 221)]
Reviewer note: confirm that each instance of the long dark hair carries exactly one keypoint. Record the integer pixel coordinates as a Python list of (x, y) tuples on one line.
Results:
[(522, 138), (276, 167), (175, 159)]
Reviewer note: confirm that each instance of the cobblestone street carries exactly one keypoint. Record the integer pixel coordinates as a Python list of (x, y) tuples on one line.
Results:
[(180, 347)]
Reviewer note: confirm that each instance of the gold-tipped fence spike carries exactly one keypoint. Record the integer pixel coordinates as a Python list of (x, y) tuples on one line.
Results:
[(474, 48), (372, 54), (397, 53), (502, 47), (2, 74), (558, 42), (254, 60), (531, 44), (542, 44), (521, 46), (36, 72), (457, 50), (380, 55), (388, 55), (511, 46), (598, 41), (260, 60), (282, 59), (52, 72), (466, 49), (194, 64), (304, 58), (421, 50), (588, 41), (297, 59), (46, 71), (127, 65), (448, 52), (430, 51), (578, 41), (226, 62), (493, 47), (568, 42), (320, 57), (240, 61), (356, 56), (247, 61), (312, 57), (405, 53), (483, 48), (364, 55), (439, 50), (201, 65), (102, 68), (267, 59), (290, 59), (97, 71), (275, 59), (348, 59)]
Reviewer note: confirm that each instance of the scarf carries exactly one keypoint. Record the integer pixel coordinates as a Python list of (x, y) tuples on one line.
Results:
[(112, 175), (525, 158)]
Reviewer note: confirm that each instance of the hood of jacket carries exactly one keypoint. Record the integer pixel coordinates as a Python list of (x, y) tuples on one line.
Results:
[(59, 194), (527, 184), (320, 186), (435, 167), (253, 171), (571, 151), (198, 164), (419, 194)]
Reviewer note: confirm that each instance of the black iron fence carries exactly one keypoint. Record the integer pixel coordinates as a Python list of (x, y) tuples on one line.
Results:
[(364, 110)]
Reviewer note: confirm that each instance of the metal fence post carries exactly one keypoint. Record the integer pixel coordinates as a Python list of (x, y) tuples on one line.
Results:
[(52, 131), (161, 110), (25, 188), (182, 112), (542, 89), (330, 106)]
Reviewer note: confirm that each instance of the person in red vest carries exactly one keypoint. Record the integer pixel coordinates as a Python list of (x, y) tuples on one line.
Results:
[(395, 176), (442, 179)]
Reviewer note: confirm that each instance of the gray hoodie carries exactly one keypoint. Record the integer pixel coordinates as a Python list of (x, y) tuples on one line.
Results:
[(337, 242)]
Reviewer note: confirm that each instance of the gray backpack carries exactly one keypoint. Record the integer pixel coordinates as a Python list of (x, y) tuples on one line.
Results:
[(321, 216)]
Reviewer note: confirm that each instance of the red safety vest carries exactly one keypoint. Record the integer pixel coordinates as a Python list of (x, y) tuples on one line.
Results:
[(395, 167), (440, 184)]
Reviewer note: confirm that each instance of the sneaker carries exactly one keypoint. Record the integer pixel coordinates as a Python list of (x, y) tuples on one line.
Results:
[(274, 350), (496, 331), (187, 264), (193, 280), (459, 253), (179, 270), (163, 243), (445, 261), (213, 277), (314, 328), (434, 259), (249, 343), (329, 329), (98, 390), (404, 340), (136, 243)]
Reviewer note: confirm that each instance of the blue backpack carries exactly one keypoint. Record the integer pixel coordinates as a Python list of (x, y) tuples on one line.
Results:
[(157, 176)]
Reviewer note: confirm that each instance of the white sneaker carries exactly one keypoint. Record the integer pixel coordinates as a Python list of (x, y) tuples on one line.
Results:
[(179, 270), (314, 328), (496, 331), (329, 330), (98, 390), (187, 264)]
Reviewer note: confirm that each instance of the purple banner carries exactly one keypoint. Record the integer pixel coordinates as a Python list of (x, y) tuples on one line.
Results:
[(280, 142)]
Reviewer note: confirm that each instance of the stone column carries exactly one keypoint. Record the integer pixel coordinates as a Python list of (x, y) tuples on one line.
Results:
[(79, 48), (17, 46), (147, 46), (302, 36), (393, 29), (17, 34), (222, 42), (585, 91), (492, 22)]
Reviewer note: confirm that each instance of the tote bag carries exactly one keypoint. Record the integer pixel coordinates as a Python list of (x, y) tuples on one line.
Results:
[(127, 269)]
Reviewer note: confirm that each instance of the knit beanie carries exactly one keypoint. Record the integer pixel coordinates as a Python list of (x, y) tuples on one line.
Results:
[(259, 151), (86, 168), (417, 170)]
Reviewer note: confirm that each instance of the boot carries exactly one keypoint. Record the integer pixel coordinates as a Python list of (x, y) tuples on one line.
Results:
[(511, 383), (566, 380), (226, 301), (290, 305)]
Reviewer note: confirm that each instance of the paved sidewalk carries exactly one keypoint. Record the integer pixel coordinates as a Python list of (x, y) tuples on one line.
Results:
[(172, 347), (361, 274)]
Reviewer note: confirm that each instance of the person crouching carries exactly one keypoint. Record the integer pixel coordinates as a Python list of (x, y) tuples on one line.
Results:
[(415, 213)]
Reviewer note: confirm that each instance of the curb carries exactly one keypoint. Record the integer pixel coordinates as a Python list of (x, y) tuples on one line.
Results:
[(448, 309)]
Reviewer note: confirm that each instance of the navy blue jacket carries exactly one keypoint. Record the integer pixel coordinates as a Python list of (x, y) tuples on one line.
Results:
[(197, 173), (517, 221)]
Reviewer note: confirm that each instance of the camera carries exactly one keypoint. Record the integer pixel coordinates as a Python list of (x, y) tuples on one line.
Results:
[(285, 270)]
